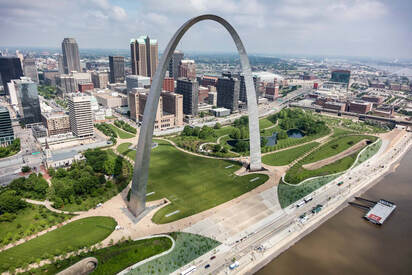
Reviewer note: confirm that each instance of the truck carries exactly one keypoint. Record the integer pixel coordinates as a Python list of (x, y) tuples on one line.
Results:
[(300, 204), (317, 208)]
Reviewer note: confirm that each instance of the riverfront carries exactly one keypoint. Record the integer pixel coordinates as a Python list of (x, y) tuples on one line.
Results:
[(347, 244)]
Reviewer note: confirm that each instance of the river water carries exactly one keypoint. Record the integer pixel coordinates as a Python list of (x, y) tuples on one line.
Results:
[(348, 244)]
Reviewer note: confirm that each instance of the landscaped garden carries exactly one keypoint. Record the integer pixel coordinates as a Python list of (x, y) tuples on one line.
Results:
[(187, 248), (113, 259), (70, 237), (11, 149), (287, 156), (125, 126), (120, 133), (192, 184), (27, 220), (107, 131), (100, 177), (298, 173)]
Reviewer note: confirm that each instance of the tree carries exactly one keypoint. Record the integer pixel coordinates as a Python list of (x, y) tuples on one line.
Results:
[(10, 202), (217, 148), (187, 131), (235, 134), (217, 126), (282, 134), (196, 131), (25, 169)]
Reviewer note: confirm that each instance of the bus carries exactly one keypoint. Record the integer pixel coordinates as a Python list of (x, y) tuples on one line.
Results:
[(188, 270)]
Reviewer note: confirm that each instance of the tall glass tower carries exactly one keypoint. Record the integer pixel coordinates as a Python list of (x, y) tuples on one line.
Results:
[(71, 57)]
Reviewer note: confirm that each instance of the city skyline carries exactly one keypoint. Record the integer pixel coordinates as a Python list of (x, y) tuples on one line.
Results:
[(348, 28)]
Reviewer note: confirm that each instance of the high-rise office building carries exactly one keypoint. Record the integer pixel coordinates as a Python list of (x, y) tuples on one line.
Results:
[(27, 100), (30, 69), (242, 92), (80, 115), (6, 129), (174, 64), (71, 56), (137, 81), (116, 64), (173, 104), (66, 83), (144, 56), (133, 101), (190, 90), (342, 76), (60, 64), (187, 68), (169, 84), (100, 79), (228, 89), (56, 123), (10, 68)]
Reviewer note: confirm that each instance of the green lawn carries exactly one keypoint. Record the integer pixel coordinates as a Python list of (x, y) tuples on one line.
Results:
[(369, 152), (287, 156), (297, 173), (192, 183), (187, 248), (29, 221), (265, 123), (335, 147), (113, 259), (72, 236), (338, 132), (120, 133), (289, 194)]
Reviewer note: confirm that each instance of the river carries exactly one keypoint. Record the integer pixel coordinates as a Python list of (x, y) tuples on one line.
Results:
[(348, 244)]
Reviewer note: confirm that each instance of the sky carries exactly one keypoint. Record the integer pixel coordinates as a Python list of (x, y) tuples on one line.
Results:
[(372, 28)]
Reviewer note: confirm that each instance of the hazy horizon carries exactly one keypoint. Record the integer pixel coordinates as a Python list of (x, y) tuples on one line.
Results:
[(355, 28)]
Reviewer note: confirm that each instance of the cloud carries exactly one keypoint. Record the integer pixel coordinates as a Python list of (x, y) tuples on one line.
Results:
[(266, 26)]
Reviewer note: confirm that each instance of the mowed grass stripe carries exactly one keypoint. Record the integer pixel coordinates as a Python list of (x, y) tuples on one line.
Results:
[(334, 147), (75, 235), (192, 183), (287, 156), (120, 133)]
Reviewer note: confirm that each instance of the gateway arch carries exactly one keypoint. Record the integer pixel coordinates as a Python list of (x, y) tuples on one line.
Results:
[(141, 168)]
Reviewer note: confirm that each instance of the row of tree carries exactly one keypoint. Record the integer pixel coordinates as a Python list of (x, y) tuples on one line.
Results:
[(11, 149), (125, 126)]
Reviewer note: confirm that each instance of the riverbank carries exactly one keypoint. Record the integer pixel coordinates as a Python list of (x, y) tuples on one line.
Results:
[(390, 158)]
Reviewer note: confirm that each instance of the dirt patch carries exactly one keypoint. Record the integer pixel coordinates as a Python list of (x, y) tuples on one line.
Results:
[(320, 163)]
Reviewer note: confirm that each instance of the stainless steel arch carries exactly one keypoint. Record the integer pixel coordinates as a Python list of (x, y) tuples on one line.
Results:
[(141, 167)]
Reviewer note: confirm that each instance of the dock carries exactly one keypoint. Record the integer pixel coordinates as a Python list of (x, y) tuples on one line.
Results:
[(378, 212)]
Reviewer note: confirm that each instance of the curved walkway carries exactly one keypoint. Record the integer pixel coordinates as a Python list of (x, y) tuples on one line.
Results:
[(49, 206), (127, 270)]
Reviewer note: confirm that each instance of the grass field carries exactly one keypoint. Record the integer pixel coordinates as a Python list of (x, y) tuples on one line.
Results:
[(338, 132), (287, 156), (29, 221), (289, 194), (72, 236), (113, 259), (265, 123), (297, 173), (193, 184), (369, 152), (187, 248), (335, 146), (120, 133)]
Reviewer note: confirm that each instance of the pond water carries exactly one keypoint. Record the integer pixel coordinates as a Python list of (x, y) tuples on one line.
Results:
[(272, 140)]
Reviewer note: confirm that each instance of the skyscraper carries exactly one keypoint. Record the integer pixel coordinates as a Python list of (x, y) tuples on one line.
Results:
[(242, 92), (187, 68), (80, 116), (190, 91), (71, 57), (144, 56), (30, 69), (10, 68), (100, 79), (116, 64), (6, 129), (174, 64), (228, 89), (27, 100)]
